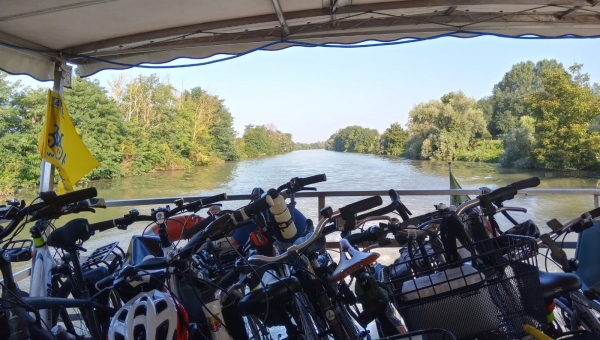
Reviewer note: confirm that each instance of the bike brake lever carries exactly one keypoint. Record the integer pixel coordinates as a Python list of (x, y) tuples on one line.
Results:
[(501, 209)]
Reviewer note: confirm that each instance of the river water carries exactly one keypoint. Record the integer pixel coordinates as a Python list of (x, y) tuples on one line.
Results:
[(345, 171)]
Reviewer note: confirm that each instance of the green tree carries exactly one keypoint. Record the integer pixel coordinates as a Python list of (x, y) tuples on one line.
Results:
[(563, 112), (518, 144), (441, 129), (509, 95), (486, 106), (393, 140), (99, 123), (354, 139), (265, 140)]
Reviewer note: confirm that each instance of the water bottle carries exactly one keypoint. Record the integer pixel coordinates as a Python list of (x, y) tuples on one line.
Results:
[(214, 318), (284, 218), (61, 334)]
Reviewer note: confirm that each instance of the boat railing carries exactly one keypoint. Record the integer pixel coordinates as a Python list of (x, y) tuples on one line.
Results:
[(321, 197)]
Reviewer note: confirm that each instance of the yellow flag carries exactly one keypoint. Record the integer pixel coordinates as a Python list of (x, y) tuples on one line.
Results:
[(61, 146)]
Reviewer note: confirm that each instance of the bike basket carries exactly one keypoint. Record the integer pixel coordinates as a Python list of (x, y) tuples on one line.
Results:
[(104, 256), (492, 293)]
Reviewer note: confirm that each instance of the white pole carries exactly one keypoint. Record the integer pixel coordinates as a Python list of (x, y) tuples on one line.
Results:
[(47, 175)]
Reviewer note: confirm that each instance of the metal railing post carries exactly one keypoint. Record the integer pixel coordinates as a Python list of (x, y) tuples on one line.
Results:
[(596, 204), (321, 204)]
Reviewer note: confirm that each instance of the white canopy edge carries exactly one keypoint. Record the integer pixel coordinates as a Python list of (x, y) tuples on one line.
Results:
[(86, 32), (20, 62), (89, 68)]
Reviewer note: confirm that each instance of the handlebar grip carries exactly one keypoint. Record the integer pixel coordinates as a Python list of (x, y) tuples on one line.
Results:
[(186, 234), (360, 206), (526, 183), (498, 195), (229, 278), (381, 211), (329, 229), (595, 213), (75, 196), (102, 226), (105, 282), (394, 195), (357, 238), (302, 182), (214, 199), (258, 206)]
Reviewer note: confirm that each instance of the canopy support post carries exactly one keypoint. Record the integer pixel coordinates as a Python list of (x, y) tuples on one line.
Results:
[(47, 175), (281, 18)]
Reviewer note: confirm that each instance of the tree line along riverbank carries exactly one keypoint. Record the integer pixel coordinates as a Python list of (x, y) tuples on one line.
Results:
[(540, 115), (136, 126)]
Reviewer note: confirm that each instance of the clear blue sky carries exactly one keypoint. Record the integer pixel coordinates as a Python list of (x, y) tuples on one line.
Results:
[(312, 92)]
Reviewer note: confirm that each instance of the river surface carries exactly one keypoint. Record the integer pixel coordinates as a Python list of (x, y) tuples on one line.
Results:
[(345, 171)]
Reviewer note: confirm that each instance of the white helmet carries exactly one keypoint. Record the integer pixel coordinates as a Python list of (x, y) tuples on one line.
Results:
[(151, 316)]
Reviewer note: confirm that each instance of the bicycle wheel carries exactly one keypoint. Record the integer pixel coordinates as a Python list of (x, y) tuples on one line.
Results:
[(72, 318), (575, 317), (352, 329), (307, 325), (255, 328)]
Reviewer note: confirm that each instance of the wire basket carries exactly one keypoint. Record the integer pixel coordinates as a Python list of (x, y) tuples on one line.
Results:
[(491, 294), (423, 334), (104, 256)]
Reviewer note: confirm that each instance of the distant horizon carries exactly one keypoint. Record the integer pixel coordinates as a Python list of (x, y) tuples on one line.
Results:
[(313, 92)]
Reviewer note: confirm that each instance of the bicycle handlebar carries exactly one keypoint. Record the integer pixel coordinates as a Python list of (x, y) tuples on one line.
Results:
[(50, 197), (354, 208), (499, 195), (396, 205), (50, 203), (197, 205), (186, 234), (298, 183), (357, 238), (226, 223), (508, 192), (297, 249)]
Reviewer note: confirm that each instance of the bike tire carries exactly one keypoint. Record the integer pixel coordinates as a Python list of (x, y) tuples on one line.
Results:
[(349, 325), (307, 324), (255, 329)]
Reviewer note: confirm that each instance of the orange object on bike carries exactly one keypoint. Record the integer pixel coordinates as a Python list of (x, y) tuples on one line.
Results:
[(176, 225)]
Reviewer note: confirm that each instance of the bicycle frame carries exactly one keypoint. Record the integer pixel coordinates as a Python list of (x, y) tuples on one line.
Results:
[(42, 264)]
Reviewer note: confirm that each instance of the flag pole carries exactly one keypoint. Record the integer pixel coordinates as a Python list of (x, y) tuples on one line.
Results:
[(47, 174), (450, 178)]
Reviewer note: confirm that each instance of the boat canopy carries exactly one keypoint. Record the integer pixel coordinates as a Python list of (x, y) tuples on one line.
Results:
[(118, 34)]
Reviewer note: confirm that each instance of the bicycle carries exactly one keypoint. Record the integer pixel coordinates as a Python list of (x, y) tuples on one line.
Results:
[(21, 325), (578, 306)]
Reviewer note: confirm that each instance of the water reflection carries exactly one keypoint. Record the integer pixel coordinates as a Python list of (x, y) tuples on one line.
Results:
[(344, 172)]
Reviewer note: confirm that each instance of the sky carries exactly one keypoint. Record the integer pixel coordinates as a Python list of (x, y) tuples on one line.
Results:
[(313, 92)]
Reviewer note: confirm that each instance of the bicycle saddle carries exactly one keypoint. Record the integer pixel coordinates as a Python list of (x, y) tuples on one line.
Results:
[(554, 284), (347, 265), (68, 235)]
